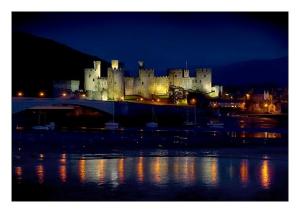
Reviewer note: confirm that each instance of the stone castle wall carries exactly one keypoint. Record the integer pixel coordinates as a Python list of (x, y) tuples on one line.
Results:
[(116, 85), (203, 80)]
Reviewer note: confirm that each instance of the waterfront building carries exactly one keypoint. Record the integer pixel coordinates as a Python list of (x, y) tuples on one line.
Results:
[(116, 86)]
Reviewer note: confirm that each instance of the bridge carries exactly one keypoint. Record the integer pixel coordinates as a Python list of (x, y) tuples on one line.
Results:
[(22, 103)]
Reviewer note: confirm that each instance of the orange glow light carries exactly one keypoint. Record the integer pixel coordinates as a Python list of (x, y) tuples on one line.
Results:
[(121, 170), (265, 174), (244, 171), (63, 173), (39, 170), (101, 170), (64, 94), (214, 172), (81, 170), (18, 171), (193, 101), (20, 94), (140, 169), (41, 94)]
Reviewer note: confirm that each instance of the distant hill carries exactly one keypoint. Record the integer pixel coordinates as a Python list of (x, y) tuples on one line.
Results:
[(36, 62), (257, 72)]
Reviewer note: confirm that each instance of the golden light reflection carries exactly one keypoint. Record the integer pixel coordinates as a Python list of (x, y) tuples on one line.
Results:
[(265, 174), (191, 174), (81, 170), (244, 171), (156, 170), (63, 158), (159, 169), (210, 171), (184, 170), (121, 170), (101, 170), (19, 173), (40, 173), (63, 173), (140, 169), (214, 172)]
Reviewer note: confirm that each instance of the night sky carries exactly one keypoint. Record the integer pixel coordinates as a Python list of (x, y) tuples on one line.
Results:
[(164, 40)]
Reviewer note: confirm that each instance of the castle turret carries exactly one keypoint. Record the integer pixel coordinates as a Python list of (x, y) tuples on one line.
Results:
[(97, 67), (91, 75), (141, 64), (147, 82), (115, 81), (203, 80)]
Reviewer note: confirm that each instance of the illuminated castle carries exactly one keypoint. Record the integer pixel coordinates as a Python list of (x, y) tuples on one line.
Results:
[(116, 86)]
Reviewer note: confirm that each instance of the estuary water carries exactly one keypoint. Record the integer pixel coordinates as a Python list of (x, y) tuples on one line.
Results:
[(227, 174)]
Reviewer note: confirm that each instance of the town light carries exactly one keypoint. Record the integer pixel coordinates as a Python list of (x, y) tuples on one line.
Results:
[(83, 95), (266, 105), (122, 98), (248, 96), (20, 94), (64, 94), (41, 94), (193, 101), (158, 100)]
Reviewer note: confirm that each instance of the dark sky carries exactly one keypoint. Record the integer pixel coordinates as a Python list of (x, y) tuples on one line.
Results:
[(164, 40)]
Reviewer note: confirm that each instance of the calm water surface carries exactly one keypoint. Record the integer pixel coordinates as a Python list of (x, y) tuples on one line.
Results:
[(156, 175)]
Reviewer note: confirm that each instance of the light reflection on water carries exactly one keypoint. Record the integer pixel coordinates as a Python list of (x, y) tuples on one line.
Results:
[(265, 174), (40, 173), (209, 172), (18, 173), (244, 172), (81, 170), (209, 168), (140, 169)]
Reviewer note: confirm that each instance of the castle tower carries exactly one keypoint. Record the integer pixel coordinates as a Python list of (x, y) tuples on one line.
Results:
[(175, 76), (186, 73), (147, 82), (115, 81), (97, 67), (115, 64), (203, 80)]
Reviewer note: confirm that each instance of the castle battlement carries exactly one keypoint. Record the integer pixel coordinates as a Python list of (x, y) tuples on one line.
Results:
[(115, 86)]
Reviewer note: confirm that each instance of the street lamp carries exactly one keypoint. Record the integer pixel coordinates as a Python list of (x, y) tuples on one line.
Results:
[(41, 94), (193, 101), (20, 94), (248, 96)]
